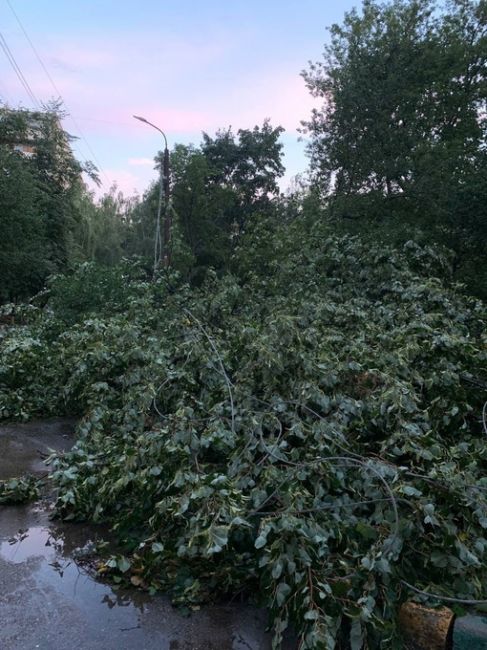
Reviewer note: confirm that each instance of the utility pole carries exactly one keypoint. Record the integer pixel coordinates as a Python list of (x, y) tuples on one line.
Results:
[(162, 251)]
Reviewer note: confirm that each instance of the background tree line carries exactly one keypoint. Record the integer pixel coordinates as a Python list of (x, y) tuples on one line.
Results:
[(398, 147), (397, 151)]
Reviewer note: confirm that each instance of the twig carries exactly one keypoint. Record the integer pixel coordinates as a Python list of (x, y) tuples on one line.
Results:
[(354, 461), (447, 599), (223, 371), (325, 506)]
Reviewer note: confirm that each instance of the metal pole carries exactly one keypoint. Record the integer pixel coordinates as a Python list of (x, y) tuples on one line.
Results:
[(167, 211), (164, 189), (157, 238)]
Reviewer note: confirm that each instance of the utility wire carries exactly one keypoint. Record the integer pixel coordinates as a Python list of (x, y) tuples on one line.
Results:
[(18, 71), (56, 90)]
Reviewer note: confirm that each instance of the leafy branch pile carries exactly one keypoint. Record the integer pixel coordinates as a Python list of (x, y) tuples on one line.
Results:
[(19, 490), (307, 429)]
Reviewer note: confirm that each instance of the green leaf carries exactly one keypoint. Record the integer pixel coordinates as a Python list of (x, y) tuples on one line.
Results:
[(277, 570), (282, 592), (261, 541), (123, 564)]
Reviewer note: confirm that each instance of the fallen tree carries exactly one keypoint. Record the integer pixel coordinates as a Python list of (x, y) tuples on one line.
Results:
[(307, 431)]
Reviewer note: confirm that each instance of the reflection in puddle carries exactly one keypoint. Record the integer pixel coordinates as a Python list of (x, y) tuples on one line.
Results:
[(49, 601), (42, 579), (33, 542), (51, 556), (50, 550)]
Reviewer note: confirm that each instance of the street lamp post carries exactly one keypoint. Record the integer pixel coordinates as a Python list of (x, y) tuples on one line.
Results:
[(163, 191)]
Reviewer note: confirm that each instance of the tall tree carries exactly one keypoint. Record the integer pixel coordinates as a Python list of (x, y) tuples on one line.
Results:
[(248, 166), (404, 115), (216, 188), (40, 181), (103, 227), (23, 260)]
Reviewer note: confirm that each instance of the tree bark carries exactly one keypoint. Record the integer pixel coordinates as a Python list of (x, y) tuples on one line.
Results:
[(425, 628)]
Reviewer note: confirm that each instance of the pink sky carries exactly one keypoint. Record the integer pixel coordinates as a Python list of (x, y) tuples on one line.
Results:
[(185, 67)]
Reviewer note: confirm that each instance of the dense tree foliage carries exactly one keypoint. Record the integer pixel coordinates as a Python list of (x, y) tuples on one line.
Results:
[(307, 430), (51, 222), (216, 188), (401, 136), (24, 264), (104, 231), (249, 167), (40, 184)]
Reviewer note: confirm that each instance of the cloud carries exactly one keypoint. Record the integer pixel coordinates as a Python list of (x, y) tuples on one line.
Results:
[(185, 84)]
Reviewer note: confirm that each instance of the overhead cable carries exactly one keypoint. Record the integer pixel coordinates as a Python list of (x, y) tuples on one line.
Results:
[(18, 71), (56, 90)]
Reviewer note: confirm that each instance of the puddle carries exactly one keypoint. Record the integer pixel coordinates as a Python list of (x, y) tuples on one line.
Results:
[(34, 542), (25, 445), (48, 601)]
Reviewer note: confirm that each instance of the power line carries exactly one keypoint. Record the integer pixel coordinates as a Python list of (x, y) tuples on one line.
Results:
[(18, 71), (8, 53), (57, 91)]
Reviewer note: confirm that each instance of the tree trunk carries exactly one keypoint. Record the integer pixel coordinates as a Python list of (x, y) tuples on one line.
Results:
[(425, 628)]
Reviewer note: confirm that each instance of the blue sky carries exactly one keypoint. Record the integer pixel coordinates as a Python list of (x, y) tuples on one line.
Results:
[(188, 66)]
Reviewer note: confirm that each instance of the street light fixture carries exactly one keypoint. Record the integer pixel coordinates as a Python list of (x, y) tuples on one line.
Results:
[(165, 253)]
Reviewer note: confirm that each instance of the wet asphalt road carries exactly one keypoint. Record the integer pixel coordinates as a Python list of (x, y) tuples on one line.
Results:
[(49, 602)]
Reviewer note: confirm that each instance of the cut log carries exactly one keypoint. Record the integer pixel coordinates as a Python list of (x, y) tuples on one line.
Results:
[(425, 628)]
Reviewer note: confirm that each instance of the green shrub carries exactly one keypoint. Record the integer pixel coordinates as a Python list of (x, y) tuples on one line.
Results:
[(95, 289)]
